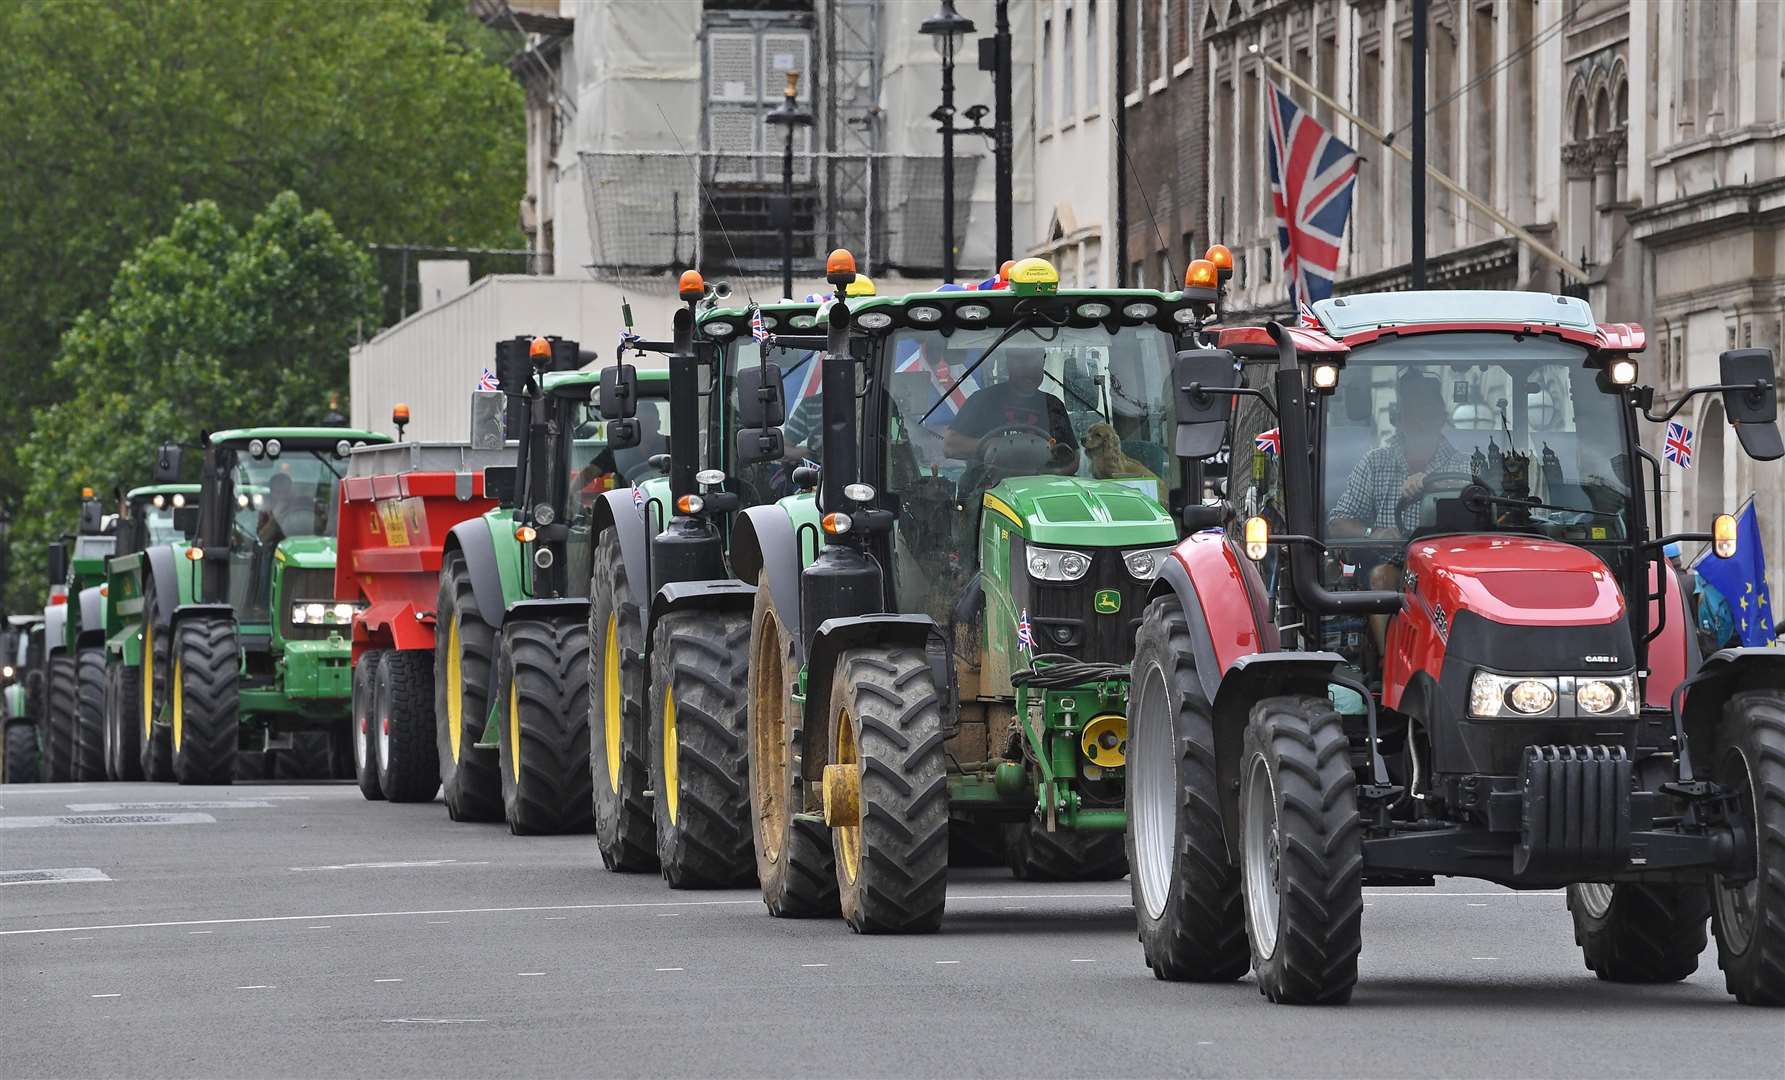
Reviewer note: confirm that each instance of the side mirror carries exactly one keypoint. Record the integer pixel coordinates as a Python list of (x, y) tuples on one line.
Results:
[(1200, 376), (759, 444), (499, 484), (58, 563), (1200, 516), (1358, 405), (167, 464), (623, 434), (186, 520), (619, 393), (1753, 412), (759, 396)]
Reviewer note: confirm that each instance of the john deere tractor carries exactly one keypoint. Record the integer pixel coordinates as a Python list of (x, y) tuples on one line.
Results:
[(942, 622), (243, 650), (74, 626), (669, 621), (511, 662), (154, 516), (21, 749)]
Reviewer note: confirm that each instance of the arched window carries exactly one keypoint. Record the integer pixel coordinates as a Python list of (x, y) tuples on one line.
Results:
[(1622, 108), (1579, 123), (1602, 113)]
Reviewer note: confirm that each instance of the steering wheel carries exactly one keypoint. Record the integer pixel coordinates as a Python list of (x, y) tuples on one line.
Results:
[(1460, 479), (991, 446)]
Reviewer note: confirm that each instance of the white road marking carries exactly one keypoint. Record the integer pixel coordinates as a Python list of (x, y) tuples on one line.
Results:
[(432, 1020), (196, 933), (669, 915), (318, 928), (814, 965), (107, 995), (386, 980), (556, 918), (948, 961), (105, 819), (669, 969), (1475, 905), (158, 807), (529, 973), (258, 986), (418, 864), (89, 938), (622, 906), (54, 876), (1076, 960), (1205, 1042)]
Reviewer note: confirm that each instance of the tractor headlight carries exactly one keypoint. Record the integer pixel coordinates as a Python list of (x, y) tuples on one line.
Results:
[(1057, 564), (1510, 695), (6, 672), (1145, 563), (1140, 312), (320, 613), (1611, 696), (873, 320)]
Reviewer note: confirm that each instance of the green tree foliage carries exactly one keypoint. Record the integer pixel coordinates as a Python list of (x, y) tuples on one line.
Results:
[(206, 327), (391, 115)]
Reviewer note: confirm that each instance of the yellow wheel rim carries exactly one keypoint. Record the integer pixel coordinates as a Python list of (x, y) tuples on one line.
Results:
[(672, 792), (610, 699), (514, 727), (179, 702), (849, 837), (148, 686), (455, 683)]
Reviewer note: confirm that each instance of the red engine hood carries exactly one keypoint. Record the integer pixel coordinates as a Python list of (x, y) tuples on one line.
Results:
[(1516, 580)]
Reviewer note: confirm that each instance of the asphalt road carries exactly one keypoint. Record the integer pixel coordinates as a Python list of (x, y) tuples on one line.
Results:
[(295, 930)]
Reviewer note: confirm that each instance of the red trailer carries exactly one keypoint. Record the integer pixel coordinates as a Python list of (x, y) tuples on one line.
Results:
[(397, 505)]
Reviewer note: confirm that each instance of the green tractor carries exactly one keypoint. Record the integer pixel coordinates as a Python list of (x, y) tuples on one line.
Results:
[(243, 653), (511, 656), (21, 652), (153, 516), (941, 628), (668, 620), (74, 628)]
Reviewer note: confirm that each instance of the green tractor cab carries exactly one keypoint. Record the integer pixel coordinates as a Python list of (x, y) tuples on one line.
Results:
[(232, 655), (511, 660), (943, 617)]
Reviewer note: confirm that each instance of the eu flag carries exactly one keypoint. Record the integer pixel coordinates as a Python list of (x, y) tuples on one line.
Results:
[(1742, 578)]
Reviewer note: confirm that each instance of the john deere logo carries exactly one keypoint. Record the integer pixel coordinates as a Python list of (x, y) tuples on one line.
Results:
[(1107, 602)]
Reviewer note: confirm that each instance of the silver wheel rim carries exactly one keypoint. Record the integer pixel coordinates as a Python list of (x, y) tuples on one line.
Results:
[(1152, 771), (1260, 851), (362, 736), (384, 742), (1594, 897), (1738, 905)]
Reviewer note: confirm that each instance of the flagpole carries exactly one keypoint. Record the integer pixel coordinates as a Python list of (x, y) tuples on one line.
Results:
[(1511, 226)]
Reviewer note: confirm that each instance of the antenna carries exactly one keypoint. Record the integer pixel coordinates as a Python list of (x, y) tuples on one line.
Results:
[(1122, 145), (695, 168)]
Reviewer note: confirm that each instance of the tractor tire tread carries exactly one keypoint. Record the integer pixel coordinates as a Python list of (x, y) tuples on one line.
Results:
[(409, 711), (209, 660), (625, 822), (473, 784), (1755, 719), (1650, 933), (546, 661)]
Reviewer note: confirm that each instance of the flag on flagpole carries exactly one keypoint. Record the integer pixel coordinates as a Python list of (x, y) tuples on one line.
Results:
[(758, 332), (1741, 578), (1308, 318), (1268, 441), (488, 381), (1313, 175), (801, 381), (1025, 633), (1676, 444)]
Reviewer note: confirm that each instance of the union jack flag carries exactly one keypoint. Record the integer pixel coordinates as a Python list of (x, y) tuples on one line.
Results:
[(758, 333), (1676, 444), (488, 382), (638, 498), (1312, 178), (1025, 633), (802, 380), (1308, 318), (911, 359), (1268, 441)]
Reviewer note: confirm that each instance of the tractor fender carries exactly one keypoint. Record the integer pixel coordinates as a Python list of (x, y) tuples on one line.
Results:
[(1723, 674), (188, 611), (702, 596), (1174, 580), (92, 629), (549, 610), (763, 542), (834, 637), (55, 627), (164, 583), (616, 510), (472, 539), (1252, 677)]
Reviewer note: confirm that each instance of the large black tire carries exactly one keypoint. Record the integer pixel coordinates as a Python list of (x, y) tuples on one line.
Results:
[(1034, 854), (311, 757), (619, 765), (542, 677), (1301, 851), (64, 704), (976, 842), (365, 728), (1640, 933), (794, 862), (206, 707), (89, 715), (156, 750), (1186, 892), (892, 869), (1749, 917), (24, 760), (403, 723), (699, 770), (123, 721), (464, 655)]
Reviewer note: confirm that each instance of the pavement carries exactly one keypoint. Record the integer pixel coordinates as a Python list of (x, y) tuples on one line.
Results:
[(296, 930)]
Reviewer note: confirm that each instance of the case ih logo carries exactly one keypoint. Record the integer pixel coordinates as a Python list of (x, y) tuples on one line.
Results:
[(1595, 658)]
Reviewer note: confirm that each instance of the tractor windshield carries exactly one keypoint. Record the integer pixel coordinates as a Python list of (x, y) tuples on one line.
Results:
[(595, 468), (277, 498), (766, 481), (158, 521), (1417, 421)]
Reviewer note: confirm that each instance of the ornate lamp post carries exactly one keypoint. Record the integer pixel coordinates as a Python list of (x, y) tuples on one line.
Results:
[(945, 29), (788, 115)]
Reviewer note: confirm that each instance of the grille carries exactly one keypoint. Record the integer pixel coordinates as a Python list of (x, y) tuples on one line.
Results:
[(1100, 638), (301, 585)]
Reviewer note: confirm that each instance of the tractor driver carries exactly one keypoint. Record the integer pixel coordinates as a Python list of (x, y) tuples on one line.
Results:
[(1394, 471), (285, 512), (1017, 402)]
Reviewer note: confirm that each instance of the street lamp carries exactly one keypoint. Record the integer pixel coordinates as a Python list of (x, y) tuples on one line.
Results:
[(788, 115), (945, 29)]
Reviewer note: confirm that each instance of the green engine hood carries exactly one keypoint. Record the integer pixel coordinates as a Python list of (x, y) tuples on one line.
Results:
[(1075, 512), (307, 552)]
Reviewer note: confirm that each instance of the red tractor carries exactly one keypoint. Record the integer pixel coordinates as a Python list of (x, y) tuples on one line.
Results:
[(1428, 630)]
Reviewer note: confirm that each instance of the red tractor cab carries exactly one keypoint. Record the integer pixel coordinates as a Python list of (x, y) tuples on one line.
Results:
[(1431, 632)]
